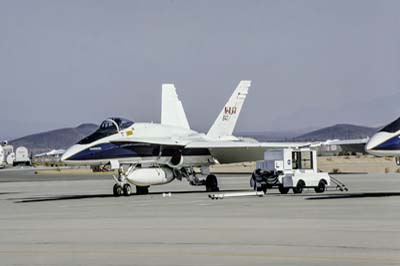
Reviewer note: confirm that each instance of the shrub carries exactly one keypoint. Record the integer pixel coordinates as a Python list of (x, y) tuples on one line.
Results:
[(335, 171)]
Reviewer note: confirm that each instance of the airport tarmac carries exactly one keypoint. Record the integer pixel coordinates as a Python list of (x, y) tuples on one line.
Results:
[(70, 221)]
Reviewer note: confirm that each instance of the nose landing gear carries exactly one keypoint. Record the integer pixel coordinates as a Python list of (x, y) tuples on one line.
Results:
[(121, 187), (117, 190), (127, 189)]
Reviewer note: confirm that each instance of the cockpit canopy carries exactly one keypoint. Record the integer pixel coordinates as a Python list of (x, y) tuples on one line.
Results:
[(116, 123), (392, 127), (107, 128)]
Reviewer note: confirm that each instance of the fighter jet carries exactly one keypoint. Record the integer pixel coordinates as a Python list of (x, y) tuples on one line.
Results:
[(148, 154), (386, 142)]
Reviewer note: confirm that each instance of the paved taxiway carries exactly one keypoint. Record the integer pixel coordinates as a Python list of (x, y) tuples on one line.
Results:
[(77, 222)]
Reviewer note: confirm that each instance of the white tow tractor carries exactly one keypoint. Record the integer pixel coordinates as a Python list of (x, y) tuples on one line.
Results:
[(294, 169)]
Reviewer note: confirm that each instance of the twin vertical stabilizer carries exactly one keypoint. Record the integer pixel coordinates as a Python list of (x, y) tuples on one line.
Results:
[(172, 112), (226, 121)]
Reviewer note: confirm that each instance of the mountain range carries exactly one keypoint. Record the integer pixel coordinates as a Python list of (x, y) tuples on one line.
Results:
[(54, 139), (339, 131)]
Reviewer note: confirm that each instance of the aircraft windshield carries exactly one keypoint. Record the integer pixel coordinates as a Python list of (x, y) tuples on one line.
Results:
[(107, 128), (121, 122), (392, 127)]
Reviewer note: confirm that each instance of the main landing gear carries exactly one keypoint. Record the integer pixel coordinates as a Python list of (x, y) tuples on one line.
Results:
[(211, 181)]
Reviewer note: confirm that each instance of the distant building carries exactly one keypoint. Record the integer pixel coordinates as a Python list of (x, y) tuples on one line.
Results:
[(53, 156)]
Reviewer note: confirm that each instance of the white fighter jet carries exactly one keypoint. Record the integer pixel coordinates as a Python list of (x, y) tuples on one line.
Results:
[(386, 142), (149, 154)]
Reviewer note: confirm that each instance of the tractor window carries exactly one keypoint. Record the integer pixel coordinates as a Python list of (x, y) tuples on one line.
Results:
[(302, 160), (296, 160), (306, 160)]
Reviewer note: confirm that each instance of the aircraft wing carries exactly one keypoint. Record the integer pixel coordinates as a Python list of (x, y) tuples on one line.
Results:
[(223, 151), (348, 145), (345, 141), (245, 144), (242, 151)]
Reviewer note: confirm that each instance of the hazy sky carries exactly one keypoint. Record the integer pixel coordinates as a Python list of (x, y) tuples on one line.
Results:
[(312, 63)]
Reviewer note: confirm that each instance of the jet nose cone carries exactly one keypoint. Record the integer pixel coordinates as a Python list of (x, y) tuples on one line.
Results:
[(368, 146), (375, 141), (70, 153), (64, 157)]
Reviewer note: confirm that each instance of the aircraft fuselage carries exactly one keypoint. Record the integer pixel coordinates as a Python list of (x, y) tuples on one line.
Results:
[(148, 142)]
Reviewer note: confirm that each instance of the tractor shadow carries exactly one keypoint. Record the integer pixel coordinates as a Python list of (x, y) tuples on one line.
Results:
[(355, 195)]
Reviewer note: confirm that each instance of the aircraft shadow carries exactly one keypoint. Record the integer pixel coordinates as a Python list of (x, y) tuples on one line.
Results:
[(355, 195), (8, 193), (94, 196)]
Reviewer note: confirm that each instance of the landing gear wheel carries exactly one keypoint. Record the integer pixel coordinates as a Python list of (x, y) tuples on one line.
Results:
[(212, 183), (253, 183), (299, 188), (283, 190), (117, 190), (142, 190), (127, 190), (321, 187)]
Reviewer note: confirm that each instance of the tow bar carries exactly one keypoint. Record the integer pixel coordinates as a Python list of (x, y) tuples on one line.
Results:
[(232, 195)]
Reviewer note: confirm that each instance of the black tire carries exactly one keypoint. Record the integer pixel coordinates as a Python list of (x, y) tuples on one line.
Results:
[(321, 187), (253, 183), (264, 188), (299, 188), (212, 183), (176, 157), (142, 190), (127, 190), (283, 190), (117, 190)]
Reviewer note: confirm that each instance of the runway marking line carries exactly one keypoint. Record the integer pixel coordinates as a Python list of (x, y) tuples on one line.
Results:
[(71, 172), (202, 254)]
